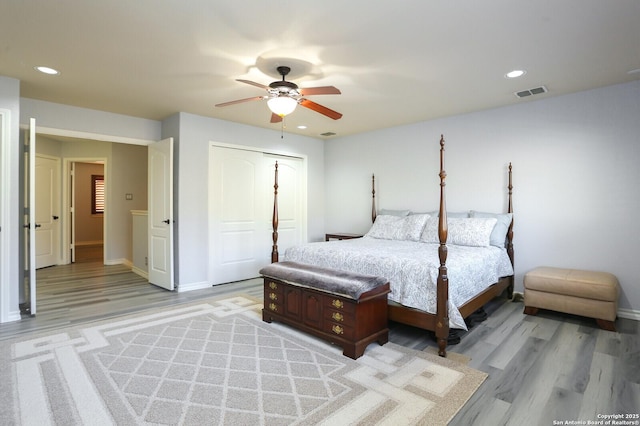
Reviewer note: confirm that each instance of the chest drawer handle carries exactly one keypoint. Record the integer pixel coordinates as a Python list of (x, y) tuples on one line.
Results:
[(273, 285), (273, 307), (337, 316), (337, 303), (337, 329), (273, 296)]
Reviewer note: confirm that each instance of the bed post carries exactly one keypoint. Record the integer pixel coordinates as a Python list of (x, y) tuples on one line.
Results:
[(510, 210), (510, 234), (442, 315), (373, 198), (274, 219)]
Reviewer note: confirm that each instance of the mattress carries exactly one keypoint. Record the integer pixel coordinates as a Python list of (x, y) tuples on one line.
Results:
[(412, 268)]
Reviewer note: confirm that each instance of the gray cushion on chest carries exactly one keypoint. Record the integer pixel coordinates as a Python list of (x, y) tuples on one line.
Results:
[(332, 281)]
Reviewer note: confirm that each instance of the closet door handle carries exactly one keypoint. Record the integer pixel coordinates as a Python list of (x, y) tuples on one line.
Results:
[(166, 221), (56, 217)]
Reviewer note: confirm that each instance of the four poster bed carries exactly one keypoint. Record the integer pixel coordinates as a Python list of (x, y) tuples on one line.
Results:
[(430, 292)]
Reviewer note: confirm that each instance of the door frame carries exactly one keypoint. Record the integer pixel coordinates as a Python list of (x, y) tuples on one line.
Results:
[(52, 131), (5, 203), (66, 241), (303, 196)]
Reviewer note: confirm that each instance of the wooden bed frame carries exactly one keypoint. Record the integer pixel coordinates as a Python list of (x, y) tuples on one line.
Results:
[(438, 322)]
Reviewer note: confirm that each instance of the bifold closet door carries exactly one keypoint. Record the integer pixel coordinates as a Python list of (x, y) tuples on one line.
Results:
[(240, 209)]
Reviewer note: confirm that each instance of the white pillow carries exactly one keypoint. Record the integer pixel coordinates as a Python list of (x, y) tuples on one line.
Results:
[(406, 228), (430, 231), (499, 233), (474, 232)]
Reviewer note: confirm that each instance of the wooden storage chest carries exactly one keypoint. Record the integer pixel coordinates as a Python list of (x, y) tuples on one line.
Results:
[(331, 312)]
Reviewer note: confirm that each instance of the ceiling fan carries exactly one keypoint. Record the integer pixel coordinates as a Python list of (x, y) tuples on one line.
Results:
[(283, 97)]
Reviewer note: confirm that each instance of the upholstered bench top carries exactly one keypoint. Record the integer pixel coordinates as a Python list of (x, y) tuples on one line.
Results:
[(572, 282), (342, 283)]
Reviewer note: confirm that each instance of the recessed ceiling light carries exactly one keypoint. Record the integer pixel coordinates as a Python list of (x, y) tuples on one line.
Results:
[(515, 73), (47, 70), (302, 127)]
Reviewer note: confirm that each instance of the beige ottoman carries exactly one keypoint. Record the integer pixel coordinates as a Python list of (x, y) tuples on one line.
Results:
[(588, 293)]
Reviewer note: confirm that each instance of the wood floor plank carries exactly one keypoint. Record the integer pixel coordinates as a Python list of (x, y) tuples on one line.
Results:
[(600, 392), (510, 345), (562, 405), (561, 352)]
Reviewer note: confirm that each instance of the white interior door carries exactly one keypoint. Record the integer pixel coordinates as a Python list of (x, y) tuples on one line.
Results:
[(160, 208), (31, 224), (47, 186), (240, 210)]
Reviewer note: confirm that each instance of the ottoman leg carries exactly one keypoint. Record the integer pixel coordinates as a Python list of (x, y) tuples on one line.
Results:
[(606, 325), (530, 310)]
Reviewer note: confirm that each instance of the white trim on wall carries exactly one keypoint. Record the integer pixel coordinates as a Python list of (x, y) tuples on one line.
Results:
[(5, 244), (87, 135), (629, 314)]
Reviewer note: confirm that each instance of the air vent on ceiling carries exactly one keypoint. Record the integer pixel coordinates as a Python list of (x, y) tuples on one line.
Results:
[(530, 92), (327, 134)]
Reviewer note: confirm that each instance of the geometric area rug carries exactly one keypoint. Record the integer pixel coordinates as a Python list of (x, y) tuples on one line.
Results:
[(215, 362)]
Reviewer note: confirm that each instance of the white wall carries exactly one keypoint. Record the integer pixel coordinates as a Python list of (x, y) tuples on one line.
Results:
[(192, 135), (66, 117), (575, 176), (128, 175)]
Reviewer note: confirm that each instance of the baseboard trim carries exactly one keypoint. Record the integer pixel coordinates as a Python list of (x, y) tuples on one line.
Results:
[(13, 316), (144, 274), (629, 314), (192, 286)]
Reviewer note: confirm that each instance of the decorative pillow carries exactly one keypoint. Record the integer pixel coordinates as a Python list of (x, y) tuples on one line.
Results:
[(412, 226), (475, 232), (430, 231), (399, 213), (406, 228), (499, 233)]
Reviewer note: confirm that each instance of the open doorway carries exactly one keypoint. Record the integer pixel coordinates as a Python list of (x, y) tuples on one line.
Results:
[(86, 211), (102, 183)]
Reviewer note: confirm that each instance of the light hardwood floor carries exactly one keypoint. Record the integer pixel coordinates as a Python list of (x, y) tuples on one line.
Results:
[(544, 368)]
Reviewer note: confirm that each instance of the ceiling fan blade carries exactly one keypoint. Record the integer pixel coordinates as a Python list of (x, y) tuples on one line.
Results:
[(324, 90), (321, 109), (275, 118), (239, 101), (253, 83)]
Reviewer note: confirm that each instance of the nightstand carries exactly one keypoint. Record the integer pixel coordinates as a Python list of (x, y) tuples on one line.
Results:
[(341, 236)]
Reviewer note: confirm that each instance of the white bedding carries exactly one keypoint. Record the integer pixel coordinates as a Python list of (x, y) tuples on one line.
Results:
[(412, 268)]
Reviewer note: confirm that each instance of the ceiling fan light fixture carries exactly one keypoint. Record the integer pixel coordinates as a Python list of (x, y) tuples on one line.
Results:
[(282, 105)]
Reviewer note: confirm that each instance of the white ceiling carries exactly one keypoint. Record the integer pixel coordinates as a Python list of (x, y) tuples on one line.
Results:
[(396, 62)]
